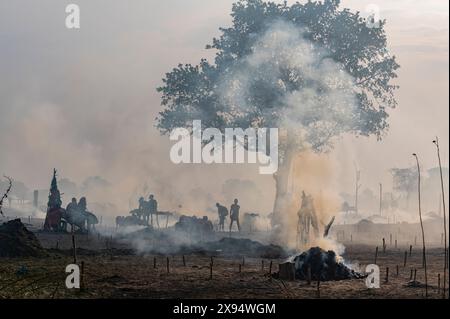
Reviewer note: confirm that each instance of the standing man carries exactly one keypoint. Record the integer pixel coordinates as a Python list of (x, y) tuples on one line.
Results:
[(152, 208), (234, 214), (223, 212)]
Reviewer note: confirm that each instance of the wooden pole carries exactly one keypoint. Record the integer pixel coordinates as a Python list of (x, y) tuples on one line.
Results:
[(424, 257), (184, 261), (387, 274), (415, 274), (411, 275), (396, 270), (240, 268), (262, 265), (376, 255), (396, 244), (384, 245), (318, 287), (154, 262), (212, 260), (410, 250), (436, 142), (406, 257)]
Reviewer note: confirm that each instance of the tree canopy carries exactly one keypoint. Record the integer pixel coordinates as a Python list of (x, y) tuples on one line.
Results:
[(321, 53)]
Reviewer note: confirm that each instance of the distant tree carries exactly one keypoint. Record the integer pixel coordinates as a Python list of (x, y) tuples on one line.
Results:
[(195, 92), (404, 181)]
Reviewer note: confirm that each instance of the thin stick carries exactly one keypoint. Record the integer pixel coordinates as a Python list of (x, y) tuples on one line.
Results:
[(184, 261), (154, 262), (318, 287), (436, 142), (387, 274), (424, 257)]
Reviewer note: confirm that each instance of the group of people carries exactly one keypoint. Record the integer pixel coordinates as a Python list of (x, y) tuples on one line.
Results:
[(234, 215), (76, 214), (147, 209)]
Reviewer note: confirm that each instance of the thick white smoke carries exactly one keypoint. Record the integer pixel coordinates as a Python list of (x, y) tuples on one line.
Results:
[(311, 95)]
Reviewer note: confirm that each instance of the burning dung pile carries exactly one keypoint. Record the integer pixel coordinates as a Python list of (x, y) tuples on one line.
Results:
[(323, 265), (17, 241)]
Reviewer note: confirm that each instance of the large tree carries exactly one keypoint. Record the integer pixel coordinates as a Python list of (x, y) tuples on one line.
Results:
[(313, 70)]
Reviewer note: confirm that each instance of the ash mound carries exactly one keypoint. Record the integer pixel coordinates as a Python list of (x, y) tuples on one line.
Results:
[(17, 241), (324, 265)]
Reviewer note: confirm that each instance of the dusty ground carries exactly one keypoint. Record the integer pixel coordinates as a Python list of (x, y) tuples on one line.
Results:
[(113, 271)]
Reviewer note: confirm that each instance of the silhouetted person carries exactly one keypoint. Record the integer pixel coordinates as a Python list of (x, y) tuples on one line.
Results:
[(234, 214), (223, 212), (72, 206)]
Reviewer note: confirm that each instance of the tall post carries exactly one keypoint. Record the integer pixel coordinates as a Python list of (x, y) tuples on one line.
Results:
[(421, 226), (436, 142)]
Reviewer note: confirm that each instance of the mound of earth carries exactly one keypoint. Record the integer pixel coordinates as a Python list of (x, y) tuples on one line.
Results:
[(244, 246), (17, 241), (323, 265)]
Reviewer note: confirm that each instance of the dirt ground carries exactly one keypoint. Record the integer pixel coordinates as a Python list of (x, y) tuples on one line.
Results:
[(112, 270)]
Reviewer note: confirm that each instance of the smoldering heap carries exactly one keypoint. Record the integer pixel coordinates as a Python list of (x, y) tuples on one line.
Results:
[(322, 265), (17, 241)]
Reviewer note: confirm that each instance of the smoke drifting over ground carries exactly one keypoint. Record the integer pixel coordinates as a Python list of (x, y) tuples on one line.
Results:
[(88, 107)]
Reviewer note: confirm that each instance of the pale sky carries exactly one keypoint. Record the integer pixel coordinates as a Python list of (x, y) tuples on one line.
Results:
[(85, 100)]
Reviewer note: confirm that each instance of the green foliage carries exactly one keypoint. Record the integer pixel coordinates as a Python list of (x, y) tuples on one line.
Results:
[(193, 92)]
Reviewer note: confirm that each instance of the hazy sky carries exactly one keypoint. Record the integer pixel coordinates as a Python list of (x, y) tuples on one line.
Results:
[(85, 100)]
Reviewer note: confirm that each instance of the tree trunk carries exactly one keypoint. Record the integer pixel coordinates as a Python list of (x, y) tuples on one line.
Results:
[(284, 198)]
